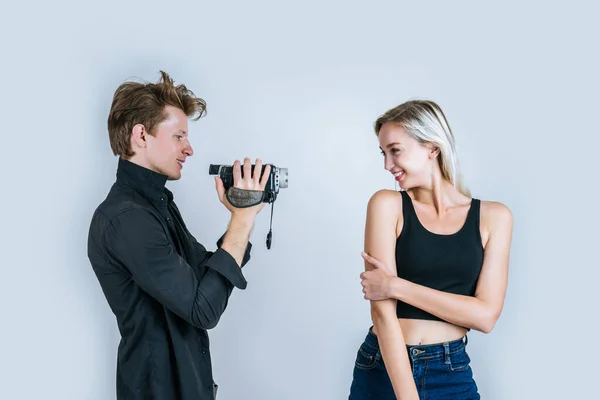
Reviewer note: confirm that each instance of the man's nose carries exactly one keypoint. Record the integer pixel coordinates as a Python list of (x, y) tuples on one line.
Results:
[(189, 150)]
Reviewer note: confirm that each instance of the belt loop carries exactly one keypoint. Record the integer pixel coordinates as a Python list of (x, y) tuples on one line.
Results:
[(446, 353), (466, 339)]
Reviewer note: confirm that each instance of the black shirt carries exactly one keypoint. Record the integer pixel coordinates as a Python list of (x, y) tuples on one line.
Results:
[(164, 288)]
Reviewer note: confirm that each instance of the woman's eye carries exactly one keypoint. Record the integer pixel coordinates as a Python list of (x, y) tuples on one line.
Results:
[(393, 151)]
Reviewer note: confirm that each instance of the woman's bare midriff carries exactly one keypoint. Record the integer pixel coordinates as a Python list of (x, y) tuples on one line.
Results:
[(418, 331)]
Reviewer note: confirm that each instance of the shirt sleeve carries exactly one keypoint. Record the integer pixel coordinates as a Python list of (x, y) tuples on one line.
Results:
[(246, 257), (138, 241)]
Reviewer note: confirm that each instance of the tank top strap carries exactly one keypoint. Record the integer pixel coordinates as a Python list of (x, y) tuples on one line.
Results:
[(474, 216), (408, 209)]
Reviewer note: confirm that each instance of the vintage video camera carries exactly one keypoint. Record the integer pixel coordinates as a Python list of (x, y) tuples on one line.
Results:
[(278, 179)]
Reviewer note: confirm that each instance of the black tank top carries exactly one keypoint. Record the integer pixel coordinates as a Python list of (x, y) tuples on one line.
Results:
[(450, 263)]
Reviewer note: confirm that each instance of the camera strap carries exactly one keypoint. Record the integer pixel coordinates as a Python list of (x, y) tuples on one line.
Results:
[(270, 234), (242, 198)]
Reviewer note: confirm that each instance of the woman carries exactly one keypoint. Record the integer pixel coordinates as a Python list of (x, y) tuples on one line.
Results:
[(436, 265)]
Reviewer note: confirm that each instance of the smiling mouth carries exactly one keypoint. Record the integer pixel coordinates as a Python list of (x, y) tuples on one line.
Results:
[(398, 175)]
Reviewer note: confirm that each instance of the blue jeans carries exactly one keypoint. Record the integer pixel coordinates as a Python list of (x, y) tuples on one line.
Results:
[(441, 371)]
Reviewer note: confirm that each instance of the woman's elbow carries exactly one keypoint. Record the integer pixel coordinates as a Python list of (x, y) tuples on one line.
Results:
[(487, 323)]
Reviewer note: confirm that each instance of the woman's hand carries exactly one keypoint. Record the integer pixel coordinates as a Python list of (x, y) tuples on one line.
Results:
[(376, 283)]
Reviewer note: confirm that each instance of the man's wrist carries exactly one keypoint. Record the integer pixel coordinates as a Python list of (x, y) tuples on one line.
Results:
[(243, 220), (239, 229)]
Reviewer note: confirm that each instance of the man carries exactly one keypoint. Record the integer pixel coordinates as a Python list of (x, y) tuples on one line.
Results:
[(164, 287)]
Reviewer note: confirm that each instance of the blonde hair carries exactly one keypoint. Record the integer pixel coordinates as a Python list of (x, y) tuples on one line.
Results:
[(426, 122)]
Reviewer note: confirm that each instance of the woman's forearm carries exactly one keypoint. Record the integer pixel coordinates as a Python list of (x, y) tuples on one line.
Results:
[(465, 311), (393, 349)]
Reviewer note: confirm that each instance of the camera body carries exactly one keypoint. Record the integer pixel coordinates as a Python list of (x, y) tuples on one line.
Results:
[(278, 179)]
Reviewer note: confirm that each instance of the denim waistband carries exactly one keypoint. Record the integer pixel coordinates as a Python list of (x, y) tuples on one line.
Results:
[(425, 351)]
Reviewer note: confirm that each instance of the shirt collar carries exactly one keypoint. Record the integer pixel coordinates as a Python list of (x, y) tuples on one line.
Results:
[(144, 180)]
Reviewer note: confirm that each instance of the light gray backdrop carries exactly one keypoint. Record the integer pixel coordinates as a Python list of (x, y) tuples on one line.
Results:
[(300, 84)]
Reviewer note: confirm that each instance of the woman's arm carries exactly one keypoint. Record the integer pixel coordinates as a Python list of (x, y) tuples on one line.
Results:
[(478, 312), (380, 241)]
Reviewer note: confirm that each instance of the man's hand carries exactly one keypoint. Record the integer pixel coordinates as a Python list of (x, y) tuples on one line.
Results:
[(240, 227), (248, 182), (376, 282)]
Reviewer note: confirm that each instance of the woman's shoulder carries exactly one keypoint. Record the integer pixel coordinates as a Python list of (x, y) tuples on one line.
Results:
[(494, 213), (386, 199), (385, 210), (386, 196)]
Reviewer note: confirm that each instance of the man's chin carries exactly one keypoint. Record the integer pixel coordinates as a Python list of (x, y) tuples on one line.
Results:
[(172, 175)]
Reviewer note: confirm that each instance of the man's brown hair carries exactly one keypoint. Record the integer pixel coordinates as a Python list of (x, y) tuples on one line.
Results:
[(144, 103)]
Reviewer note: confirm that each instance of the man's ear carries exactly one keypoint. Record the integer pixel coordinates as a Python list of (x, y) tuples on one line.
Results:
[(138, 136)]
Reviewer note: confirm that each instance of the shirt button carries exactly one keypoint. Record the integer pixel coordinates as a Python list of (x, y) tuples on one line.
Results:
[(162, 198), (203, 351), (168, 219)]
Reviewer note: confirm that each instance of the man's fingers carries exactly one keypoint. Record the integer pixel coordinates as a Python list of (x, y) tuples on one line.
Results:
[(257, 171), (265, 177), (237, 172), (247, 169)]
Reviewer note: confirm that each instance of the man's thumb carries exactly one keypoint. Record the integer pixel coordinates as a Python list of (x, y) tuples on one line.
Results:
[(219, 186)]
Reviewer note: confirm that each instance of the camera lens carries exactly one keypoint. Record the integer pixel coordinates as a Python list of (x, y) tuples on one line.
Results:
[(283, 178), (213, 169)]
